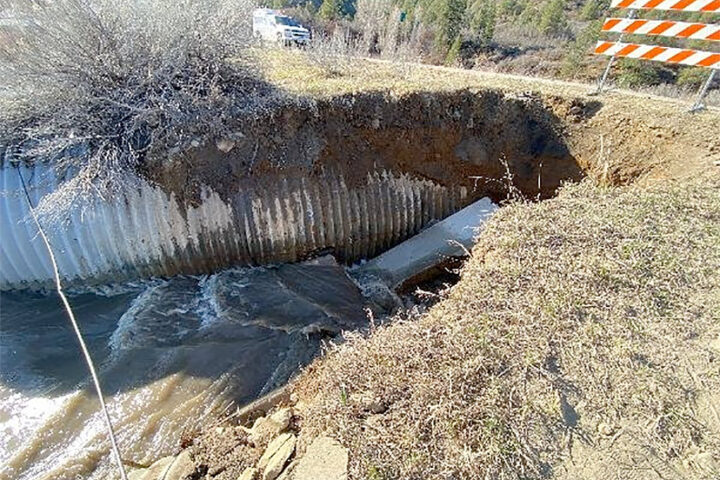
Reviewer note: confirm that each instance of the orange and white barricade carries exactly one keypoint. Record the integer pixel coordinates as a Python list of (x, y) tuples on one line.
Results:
[(663, 28)]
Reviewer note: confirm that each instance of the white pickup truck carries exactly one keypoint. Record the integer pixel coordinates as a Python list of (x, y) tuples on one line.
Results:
[(273, 26)]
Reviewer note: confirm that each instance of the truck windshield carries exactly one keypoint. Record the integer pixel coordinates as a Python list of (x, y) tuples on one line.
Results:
[(286, 21)]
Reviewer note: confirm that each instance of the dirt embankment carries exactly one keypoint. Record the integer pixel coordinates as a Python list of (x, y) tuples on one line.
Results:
[(458, 138), (474, 138)]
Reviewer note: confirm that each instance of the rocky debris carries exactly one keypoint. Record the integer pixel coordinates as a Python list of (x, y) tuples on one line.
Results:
[(182, 468), (250, 473), (287, 474), (263, 405), (325, 459), (225, 145), (156, 471), (276, 456), (266, 428)]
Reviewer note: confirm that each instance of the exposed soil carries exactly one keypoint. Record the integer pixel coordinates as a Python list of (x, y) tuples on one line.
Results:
[(457, 138), (474, 138)]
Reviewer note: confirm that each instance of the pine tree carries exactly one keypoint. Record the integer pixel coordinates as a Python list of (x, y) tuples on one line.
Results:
[(593, 9), (454, 53), (450, 16), (553, 20), (484, 20), (330, 10)]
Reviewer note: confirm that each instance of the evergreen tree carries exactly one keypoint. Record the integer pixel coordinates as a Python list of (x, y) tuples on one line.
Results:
[(484, 20), (553, 20), (594, 9), (454, 53), (449, 15), (577, 50), (330, 10)]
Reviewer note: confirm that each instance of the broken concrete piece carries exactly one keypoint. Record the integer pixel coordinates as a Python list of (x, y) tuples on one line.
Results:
[(182, 468), (250, 473), (325, 459), (276, 456), (266, 428), (451, 237)]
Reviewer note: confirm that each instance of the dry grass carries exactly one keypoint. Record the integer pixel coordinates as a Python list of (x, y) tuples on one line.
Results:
[(586, 321)]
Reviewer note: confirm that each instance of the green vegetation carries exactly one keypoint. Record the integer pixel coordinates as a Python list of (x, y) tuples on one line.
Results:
[(484, 21), (454, 52), (692, 76), (635, 73), (553, 20)]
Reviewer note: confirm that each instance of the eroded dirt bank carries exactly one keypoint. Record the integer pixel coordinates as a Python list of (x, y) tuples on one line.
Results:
[(457, 138), (328, 156), (353, 174)]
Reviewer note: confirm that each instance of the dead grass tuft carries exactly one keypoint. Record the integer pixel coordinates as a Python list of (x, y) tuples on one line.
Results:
[(584, 321)]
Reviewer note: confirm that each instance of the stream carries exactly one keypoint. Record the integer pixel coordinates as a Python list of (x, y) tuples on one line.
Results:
[(173, 356)]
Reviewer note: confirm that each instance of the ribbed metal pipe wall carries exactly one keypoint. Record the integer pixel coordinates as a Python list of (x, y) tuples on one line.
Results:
[(146, 232)]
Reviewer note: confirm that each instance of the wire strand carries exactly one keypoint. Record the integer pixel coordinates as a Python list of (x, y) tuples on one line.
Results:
[(71, 315)]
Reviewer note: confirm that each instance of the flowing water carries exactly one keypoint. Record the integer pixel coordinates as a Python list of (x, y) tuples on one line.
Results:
[(173, 356)]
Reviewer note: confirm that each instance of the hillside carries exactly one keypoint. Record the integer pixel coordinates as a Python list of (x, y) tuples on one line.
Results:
[(551, 38)]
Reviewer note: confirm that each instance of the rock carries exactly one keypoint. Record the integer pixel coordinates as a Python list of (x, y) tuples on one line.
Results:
[(287, 473), (606, 429), (325, 459), (156, 471), (276, 456), (261, 406), (250, 473), (224, 145), (183, 468), (282, 417), (266, 428)]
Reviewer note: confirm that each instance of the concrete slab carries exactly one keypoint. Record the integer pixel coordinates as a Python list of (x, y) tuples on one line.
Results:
[(451, 237)]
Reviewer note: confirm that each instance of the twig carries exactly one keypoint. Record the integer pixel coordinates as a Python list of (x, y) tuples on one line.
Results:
[(71, 316)]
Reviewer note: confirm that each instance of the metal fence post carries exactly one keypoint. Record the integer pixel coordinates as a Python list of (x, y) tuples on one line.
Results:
[(630, 15), (703, 90)]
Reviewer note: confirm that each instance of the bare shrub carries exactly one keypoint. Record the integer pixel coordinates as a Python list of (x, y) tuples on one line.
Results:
[(115, 84)]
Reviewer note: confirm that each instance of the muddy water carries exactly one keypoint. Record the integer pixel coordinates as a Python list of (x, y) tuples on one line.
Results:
[(173, 355)]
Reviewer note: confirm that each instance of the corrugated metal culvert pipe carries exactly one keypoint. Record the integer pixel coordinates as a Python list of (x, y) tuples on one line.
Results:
[(145, 231)]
